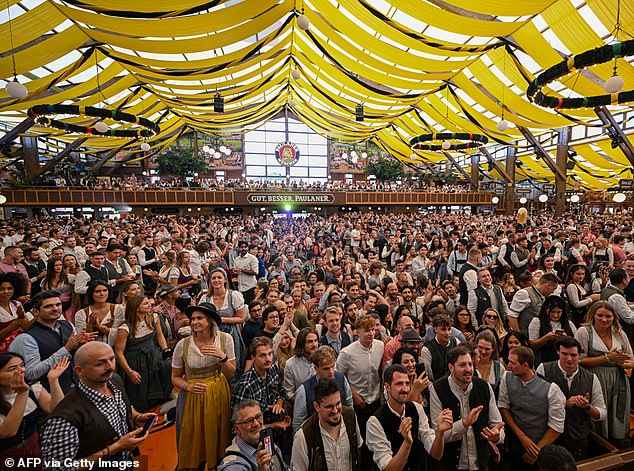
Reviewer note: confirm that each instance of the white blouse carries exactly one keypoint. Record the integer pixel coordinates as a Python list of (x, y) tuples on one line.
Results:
[(30, 405), (195, 359)]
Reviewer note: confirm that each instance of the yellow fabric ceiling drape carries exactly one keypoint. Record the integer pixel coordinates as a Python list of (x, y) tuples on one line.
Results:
[(168, 59)]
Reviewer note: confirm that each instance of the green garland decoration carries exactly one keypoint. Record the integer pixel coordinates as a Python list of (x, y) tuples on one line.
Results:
[(474, 141), (40, 113), (599, 55)]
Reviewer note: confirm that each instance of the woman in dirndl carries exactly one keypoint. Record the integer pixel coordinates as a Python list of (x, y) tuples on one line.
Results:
[(608, 353), (232, 311), (202, 366)]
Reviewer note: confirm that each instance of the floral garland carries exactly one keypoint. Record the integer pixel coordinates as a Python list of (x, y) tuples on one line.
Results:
[(474, 141), (39, 114), (599, 55)]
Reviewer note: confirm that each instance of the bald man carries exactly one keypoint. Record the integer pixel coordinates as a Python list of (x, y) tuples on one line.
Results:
[(95, 421)]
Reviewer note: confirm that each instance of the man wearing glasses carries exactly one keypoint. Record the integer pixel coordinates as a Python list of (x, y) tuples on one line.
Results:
[(245, 453)]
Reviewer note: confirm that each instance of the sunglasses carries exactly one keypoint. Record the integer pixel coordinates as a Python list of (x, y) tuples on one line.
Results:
[(492, 317)]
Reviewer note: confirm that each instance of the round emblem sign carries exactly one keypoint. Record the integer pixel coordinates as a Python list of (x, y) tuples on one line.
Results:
[(287, 153)]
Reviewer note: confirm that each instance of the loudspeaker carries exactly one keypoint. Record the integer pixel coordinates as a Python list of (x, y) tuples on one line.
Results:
[(219, 103), (359, 113)]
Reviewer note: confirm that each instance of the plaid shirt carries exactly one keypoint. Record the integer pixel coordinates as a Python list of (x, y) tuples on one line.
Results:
[(60, 439), (266, 391)]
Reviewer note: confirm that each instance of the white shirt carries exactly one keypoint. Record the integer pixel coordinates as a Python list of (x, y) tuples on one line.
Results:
[(195, 359), (535, 326), (597, 393), (361, 367), (30, 405), (468, 450), (556, 403), (379, 445), (337, 451), (625, 312), (248, 262)]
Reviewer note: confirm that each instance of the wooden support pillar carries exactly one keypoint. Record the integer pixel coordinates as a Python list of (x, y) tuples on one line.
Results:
[(562, 161), (509, 194), (475, 172), (31, 156)]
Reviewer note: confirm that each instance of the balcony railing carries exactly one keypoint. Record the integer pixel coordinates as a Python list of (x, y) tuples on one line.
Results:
[(55, 197)]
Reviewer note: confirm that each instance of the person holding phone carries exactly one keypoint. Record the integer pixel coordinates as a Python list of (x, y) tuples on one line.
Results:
[(83, 425), (551, 324), (247, 452)]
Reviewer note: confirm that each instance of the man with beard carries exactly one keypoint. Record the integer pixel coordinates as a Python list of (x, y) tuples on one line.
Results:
[(336, 337), (330, 439), (398, 434), (409, 301), (477, 419), (262, 382), (299, 367), (95, 421)]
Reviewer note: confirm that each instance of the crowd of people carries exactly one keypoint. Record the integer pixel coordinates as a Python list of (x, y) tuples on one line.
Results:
[(140, 182), (402, 341)]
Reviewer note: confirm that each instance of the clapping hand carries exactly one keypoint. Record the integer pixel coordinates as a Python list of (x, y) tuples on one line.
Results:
[(445, 420), (58, 369), (492, 435), (406, 430)]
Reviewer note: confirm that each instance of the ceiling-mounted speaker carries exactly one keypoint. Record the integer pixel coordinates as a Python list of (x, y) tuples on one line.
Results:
[(570, 165), (219, 103), (359, 113)]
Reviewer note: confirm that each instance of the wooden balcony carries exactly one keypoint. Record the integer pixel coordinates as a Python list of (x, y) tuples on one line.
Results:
[(70, 198)]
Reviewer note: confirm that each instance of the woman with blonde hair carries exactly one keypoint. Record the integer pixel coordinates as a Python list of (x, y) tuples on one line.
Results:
[(492, 318), (202, 366), (607, 353), (231, 308), (284, 350)]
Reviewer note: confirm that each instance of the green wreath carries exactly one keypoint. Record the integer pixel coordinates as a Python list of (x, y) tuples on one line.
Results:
[(600, 55), (474, 141), (39, 114)]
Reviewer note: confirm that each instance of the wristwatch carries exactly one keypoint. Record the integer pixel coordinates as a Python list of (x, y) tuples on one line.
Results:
[(588, 408), (224, 360)]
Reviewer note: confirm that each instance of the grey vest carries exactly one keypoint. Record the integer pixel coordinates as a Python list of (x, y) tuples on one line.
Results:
[(532, 310), (577, 425), (527, 404), (522, 254)]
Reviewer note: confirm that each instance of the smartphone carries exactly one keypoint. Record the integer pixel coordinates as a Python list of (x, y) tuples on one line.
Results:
[(147, 426), (420, 367), (560, 331), (266, 440)]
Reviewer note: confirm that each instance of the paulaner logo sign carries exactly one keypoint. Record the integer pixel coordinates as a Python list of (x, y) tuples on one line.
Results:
[(287, 153), (296, 198)]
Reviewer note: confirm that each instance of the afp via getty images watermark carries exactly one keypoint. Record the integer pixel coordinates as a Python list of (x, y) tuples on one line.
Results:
[(68, 463)]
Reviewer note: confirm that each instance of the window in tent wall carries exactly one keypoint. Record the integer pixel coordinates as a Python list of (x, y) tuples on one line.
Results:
[(260, 161)]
